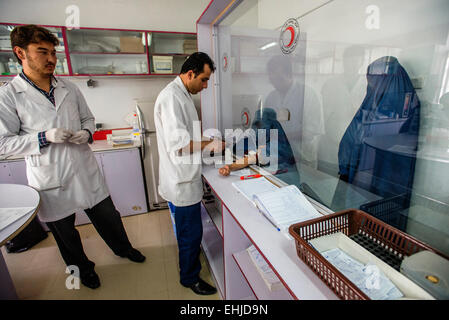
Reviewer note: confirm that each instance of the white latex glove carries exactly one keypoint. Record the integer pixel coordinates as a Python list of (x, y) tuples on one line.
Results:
[(80, 137), (57, 135)]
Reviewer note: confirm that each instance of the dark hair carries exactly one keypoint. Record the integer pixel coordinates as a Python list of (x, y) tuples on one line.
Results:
[(282, 63), (196, 62), (22, 36)]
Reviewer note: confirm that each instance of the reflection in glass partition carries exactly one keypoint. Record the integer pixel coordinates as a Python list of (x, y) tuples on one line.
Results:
[(361, 104), (378, 149)]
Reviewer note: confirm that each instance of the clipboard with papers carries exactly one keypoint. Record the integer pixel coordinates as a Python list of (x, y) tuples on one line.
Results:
[(282, 206)]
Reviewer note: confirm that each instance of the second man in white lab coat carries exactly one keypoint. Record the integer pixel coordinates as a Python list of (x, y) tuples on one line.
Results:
[(180, 181)]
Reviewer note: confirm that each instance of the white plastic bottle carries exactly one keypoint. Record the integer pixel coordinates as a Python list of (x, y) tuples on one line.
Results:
[(59, 68), (138, 67), (12, 66), (144, 67), (136, 129), (65, 66), (18, 67)]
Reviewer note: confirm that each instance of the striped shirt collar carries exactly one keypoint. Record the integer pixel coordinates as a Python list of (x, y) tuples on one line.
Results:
[(49, 95)]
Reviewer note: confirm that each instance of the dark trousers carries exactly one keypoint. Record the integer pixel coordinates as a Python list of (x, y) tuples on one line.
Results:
[(108, 223), (189, 232)]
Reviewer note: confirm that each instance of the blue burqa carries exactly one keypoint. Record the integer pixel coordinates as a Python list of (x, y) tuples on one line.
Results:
[(390, 98)]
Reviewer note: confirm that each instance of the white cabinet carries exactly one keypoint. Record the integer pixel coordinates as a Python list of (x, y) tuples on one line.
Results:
[(123, 173), (13, 172)]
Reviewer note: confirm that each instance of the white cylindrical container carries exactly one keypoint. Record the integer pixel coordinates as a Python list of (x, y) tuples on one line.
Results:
[(138, 67), (65, 66), (12, 66), (59, 68)]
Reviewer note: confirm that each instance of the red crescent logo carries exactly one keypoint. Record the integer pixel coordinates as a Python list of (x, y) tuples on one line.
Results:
[(292, 35)]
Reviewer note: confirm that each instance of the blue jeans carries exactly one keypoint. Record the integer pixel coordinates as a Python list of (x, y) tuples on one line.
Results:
[(189, 232)]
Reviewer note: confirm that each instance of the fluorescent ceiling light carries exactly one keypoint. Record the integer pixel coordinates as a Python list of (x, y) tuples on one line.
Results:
[(269, 45)]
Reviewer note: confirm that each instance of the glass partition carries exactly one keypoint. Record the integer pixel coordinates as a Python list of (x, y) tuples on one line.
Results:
[(358, 92)]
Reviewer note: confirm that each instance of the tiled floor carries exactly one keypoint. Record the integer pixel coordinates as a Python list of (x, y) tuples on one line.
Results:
[(39, 273)]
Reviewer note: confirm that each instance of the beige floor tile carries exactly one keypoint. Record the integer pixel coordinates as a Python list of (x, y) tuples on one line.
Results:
[(30, 284), (20, 260), (39, 273)]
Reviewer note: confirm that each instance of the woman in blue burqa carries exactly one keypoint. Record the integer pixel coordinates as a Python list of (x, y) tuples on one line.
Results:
[(390, 108)]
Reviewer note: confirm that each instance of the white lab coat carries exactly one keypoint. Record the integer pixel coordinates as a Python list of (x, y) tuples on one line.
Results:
[(340, 104), (65, 174), (306, 123), (174, 112)]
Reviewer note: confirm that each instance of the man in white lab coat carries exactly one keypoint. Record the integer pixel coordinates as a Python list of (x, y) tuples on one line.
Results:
[(180, 181), (48, 121)]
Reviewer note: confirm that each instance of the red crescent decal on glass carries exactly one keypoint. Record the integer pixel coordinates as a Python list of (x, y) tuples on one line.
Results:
[(225, 61), (292, 35), (246, 118)]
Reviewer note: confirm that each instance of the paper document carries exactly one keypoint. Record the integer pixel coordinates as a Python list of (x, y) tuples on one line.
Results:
[(254, 186), (367, 278), (285, 206), (267, 274), (241, 172), (11, 215)]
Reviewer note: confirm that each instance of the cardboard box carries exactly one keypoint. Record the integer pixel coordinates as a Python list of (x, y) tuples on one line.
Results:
[(131, 45)]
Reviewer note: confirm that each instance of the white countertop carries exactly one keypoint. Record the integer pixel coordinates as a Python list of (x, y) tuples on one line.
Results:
[(274, 246), (96, 146)]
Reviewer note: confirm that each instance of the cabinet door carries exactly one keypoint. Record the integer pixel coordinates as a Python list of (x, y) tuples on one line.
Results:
[(123, 174), (13, 172), (18, 172), (5, 173)]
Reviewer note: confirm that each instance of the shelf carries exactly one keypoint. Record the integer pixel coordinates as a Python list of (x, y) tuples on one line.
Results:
[(255, 281), (84, 49), (108, 53), (107, 74), (170, 54), (212, 244), (215, 216)]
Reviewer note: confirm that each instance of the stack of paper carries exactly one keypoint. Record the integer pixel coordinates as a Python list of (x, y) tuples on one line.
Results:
[(267, 274), (285, 206), (11, 215), (251, 187), (367, 278)]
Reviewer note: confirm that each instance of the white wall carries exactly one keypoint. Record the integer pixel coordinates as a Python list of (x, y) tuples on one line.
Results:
[(165, 15), (112, 98)]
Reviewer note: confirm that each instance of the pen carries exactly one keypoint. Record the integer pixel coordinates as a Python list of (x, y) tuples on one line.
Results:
[(272, 223), (251, 176), (269, 220)]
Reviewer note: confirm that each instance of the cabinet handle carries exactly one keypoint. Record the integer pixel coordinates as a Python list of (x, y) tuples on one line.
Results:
[(136, 208)]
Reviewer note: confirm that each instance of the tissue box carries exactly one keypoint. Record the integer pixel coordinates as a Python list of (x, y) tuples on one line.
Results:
[(131, 45)]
